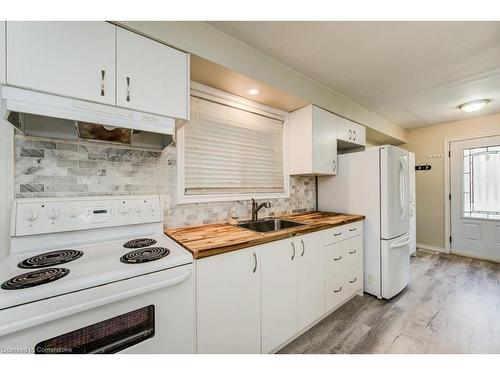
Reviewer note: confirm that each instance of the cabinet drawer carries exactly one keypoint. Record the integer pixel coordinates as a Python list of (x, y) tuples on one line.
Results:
[(342, 232), (343, 285), (335, 292), (343, 254), (353, 278)]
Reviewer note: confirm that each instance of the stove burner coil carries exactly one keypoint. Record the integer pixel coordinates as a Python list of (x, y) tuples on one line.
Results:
[(144, 255), (52, 258), (34, 278), (139, 242)]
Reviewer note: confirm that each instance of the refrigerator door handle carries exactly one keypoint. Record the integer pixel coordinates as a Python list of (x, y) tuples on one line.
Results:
[(397, 245)]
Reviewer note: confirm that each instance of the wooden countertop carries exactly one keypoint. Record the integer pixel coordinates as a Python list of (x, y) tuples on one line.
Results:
[(212, 239)]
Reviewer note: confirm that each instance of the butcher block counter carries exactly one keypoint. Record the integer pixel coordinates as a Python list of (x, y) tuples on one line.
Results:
[(212, 239)]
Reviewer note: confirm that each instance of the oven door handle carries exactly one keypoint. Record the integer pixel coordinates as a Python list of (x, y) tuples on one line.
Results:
[(75, 309)]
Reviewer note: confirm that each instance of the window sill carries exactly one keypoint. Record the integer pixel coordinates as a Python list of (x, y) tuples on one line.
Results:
[(189, 199)]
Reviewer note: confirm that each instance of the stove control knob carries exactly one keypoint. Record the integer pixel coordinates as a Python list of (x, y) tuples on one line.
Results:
[(53, 214), (74, 213), (31, 215)]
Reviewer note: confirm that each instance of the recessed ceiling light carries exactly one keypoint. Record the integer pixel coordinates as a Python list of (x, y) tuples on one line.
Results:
[(474, 106), (253, 91)]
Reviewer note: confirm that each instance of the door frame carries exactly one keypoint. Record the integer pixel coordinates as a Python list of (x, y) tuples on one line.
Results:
[(447, 181)]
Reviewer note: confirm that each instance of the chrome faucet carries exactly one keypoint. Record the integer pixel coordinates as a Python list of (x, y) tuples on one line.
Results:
[(256, 208)]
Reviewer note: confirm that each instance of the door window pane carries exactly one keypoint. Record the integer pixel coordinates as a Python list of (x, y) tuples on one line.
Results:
[(481, 182)]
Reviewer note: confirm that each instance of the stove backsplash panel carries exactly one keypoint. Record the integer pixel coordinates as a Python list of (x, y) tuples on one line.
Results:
[(53, 168)]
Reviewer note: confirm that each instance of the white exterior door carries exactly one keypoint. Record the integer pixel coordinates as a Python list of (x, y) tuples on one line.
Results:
[(279, 292), (311, 278), (475, 197), (395, 191), (74, 59), (228, 302), (151, 77)]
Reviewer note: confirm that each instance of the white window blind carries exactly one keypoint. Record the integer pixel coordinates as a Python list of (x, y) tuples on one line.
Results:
[(231, 151)]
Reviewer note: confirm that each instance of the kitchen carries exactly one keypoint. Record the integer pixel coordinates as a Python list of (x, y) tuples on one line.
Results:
[(162, 196)]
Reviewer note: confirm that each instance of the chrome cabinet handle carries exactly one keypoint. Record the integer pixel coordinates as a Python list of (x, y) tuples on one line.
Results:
[(293, 253), (334, 165), (350, 134), (339, 258), (103, 75), (354, 135), (352, 252), (128, 89), (254, 263), (352, 281), (352, 229), (337, 234), (337, 290), (303, 248)]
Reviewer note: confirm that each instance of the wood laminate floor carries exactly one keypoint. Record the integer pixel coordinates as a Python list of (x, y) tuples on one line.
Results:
[(452, 305)]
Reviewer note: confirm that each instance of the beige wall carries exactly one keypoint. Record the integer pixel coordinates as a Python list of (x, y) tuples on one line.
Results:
[(430, 184), (210, 43)]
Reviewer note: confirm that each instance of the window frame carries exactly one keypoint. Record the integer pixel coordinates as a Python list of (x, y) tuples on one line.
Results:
[(222, 97)]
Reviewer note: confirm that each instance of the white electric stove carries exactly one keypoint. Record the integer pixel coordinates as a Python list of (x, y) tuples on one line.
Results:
[(89, 275)]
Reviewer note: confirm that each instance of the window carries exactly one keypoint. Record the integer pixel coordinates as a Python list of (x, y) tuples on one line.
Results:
[(481, 182), (229, 151)]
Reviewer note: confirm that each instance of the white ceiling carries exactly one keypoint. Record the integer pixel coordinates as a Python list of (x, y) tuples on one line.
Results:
[(412, 73)]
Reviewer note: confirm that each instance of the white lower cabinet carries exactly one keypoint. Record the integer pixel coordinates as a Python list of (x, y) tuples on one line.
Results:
[(228, 302), (279, 292), (310, 280), (255, 300)]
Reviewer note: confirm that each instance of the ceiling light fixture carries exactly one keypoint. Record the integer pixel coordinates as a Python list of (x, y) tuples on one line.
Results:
[(474, 106), (253, 91)]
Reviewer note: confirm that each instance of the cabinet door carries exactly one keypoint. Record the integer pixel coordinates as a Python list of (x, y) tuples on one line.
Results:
[(279, 293), (2, 52), (324, 146), (228, 302), (75, 59), (151, 76), (311, 282)]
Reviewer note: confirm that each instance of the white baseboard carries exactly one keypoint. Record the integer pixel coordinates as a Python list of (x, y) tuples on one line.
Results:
[(431, 248)]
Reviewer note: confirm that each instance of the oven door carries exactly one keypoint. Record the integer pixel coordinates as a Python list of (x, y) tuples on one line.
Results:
[(153, 313)]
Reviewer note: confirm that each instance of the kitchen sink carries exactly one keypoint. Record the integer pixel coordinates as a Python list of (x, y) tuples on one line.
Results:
[(269, 225)]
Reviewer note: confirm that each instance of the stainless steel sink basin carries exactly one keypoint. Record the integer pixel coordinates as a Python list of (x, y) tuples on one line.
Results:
[(269, 225)]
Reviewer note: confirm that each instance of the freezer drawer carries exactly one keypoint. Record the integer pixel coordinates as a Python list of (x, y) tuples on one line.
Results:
[(395, 265)]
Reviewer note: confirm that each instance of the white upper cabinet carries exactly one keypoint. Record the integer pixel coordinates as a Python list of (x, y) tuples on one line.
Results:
[(75, 59), (228, 302), (2, 52), (350, 135), (151, 76), (310, 276), (279, 292), (313, 142)]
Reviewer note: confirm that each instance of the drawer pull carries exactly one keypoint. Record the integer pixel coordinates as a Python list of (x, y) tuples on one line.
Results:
[(303, 248), (103, 74), (352, 229), (352, 252), (254, 263), (337, 290), (339, 258), (293, 251), (337, 234), (352, 281)]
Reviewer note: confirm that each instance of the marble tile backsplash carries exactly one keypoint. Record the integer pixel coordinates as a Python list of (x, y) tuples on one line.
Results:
[(53, 168)]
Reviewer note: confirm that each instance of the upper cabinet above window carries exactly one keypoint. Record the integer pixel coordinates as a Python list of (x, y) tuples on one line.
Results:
[(75, 59), (151, 76), (78, 60), (2, 51)]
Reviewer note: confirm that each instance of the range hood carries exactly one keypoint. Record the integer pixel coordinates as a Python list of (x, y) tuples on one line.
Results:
[(44, 115)]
